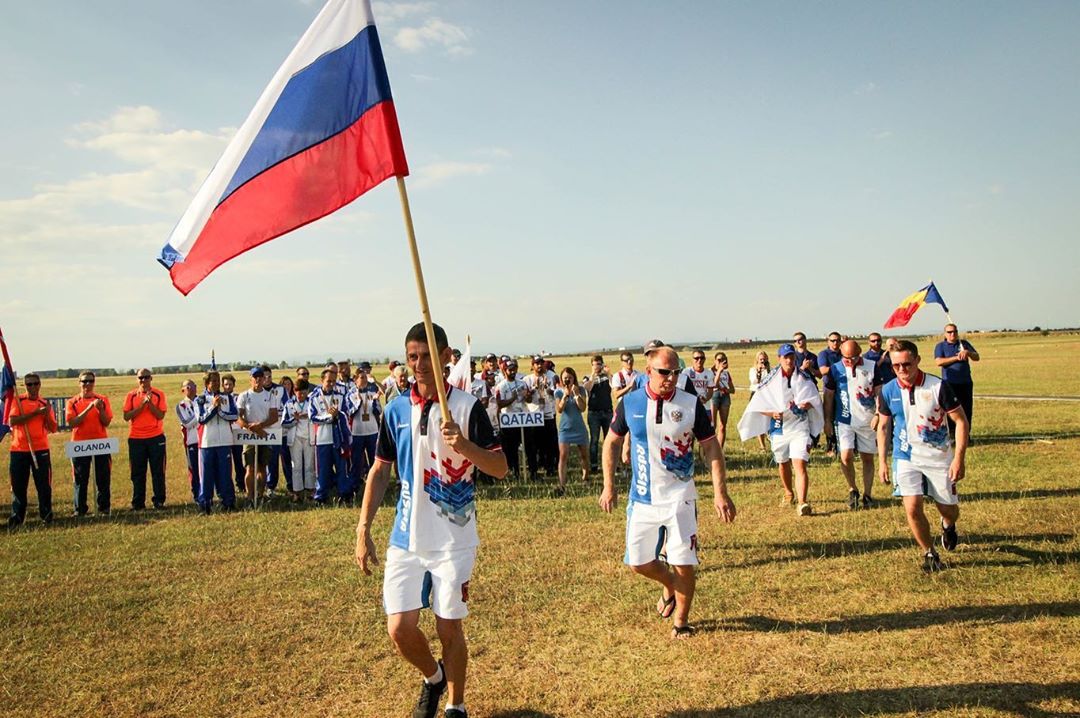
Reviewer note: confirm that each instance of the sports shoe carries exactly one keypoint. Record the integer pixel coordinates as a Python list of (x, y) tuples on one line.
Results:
[(853, 499), (805, 510), (430, 694), (948, 537), (867, 502), (932, 562), (788, 500), (456, 713)]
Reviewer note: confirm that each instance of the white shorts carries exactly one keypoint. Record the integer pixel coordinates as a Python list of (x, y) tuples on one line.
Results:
[(439, 581), (648, 527), (790, 445), (932, 481), (862, 439)]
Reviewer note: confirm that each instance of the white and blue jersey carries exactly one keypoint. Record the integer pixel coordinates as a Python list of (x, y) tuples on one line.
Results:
[(215, 422), (363, 409), (854, 400), (662, 432), (920, 431), (436, 508), (325, 430)]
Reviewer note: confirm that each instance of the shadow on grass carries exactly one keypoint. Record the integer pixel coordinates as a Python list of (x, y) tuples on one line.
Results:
[(1020, 494), (984, 439), (1014, 698), (521, 713), (900, 621), (805, 550)]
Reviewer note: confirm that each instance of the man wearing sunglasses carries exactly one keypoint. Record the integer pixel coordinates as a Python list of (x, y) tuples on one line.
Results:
[(915, 405), (89, 415), (662, 422), (145, 408), (850, 402), (954, 356), (32, 421)]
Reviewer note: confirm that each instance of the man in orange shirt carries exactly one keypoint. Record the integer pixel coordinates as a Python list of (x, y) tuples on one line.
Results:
[(31, 420), (89, 414), (145, 408)]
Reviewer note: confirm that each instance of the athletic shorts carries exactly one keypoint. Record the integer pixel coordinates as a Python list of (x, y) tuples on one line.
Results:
[(922, 480), (436, 580), (862, 439), (720, 399), (672, 527), (790, 445), (263, 451)]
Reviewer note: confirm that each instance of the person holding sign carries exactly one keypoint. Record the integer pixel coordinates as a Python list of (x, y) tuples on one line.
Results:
[(510, 398), (258, 409), (89, 415), (663, 421), (433, 541), (145, 408), (32, 421), (541, 442)]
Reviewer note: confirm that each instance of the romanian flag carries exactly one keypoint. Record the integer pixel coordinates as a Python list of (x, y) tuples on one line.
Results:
[(913, 303), (322, 133)]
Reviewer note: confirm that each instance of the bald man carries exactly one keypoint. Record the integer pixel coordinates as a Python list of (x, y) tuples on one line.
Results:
[(850, 401), (663, 421)]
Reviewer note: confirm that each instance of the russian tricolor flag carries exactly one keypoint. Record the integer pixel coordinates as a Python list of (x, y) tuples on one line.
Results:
[(322, 133)]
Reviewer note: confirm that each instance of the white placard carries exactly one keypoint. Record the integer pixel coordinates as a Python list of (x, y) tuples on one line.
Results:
[(92, 447), (248, 438), (521, 419)]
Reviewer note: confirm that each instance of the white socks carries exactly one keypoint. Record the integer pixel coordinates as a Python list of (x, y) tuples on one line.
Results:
[(435, 677)]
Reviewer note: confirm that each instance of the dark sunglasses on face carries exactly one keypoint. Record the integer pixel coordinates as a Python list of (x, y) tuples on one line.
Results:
[(86, 381), (148, 376), (903, 365), (665, 372), (33, 383)]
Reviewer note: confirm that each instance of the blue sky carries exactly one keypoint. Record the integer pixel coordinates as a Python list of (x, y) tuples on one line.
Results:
[(583, 174)]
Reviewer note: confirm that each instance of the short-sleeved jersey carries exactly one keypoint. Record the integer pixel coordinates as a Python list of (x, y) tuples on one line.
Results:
[(511, 389), (853, 387), (256, 405), (543, 398), (91, 427), (958, 372), (662, 432), (215, 422), (599, 393), (623, 378), (700, 380), (38, 432), (145, 425), (298, 414), (826, 358), (920, 431), (436, 508)]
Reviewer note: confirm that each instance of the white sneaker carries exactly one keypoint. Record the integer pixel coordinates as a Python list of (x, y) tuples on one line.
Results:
[(805, 510)]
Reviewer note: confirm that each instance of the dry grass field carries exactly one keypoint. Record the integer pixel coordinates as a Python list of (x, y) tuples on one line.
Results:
[(265, 614)]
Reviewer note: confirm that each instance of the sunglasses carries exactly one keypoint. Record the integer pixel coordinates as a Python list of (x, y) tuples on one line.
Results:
[(665, 372), (33, 383), (699, 358), (86, 381), (147, 376), (903, 365)]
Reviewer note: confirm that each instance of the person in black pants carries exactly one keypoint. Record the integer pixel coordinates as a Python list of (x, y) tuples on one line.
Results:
[(953, 356), (598, 386), (32, 420), (145, 408), (89, 415)]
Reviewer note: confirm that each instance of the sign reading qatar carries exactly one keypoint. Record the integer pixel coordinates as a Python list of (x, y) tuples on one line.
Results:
[(92, 447), (270, 437), (521, 419)]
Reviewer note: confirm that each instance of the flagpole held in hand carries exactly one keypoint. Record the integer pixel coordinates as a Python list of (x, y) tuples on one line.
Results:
[(433, 347), (18, 403)]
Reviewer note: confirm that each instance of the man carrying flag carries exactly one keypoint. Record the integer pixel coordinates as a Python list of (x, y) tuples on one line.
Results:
[(32, 420)]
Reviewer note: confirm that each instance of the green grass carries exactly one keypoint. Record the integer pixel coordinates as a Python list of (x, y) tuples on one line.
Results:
[(265, 614)]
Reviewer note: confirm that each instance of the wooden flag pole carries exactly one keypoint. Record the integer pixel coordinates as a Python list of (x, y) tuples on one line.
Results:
[(433, 347)]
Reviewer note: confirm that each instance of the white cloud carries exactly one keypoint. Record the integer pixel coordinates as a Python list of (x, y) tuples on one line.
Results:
[(439, 172), (435, 32), (497, 152), (388, 13)]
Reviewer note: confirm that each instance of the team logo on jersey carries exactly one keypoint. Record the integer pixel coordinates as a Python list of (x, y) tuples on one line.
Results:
[(676, 415), (454, 495)]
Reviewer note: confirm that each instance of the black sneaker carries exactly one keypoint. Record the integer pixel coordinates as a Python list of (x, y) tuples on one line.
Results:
[(853, 499), (932, 562), (456, 713), (430, 695), (948, 537), (867, 502)]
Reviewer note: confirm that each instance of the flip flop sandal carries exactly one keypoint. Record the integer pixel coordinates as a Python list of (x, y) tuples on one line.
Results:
[(680, 632), (665, 606)]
